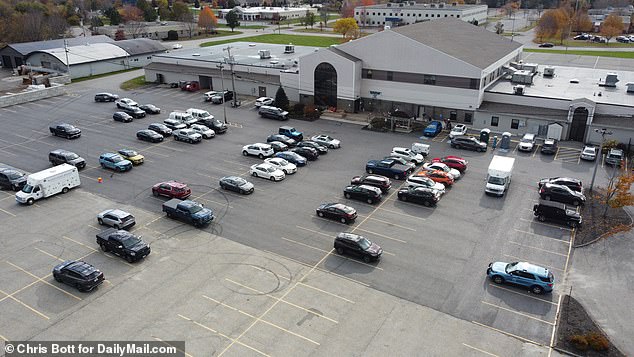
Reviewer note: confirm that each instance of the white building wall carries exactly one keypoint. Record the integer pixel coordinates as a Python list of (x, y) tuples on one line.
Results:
[(435, 96), (376, 16), (346, 72), (290, 83)]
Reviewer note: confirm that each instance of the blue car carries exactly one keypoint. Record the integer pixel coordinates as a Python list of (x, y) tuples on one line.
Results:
[(114, 162), (534, 277), (292, 157), (433, 129)]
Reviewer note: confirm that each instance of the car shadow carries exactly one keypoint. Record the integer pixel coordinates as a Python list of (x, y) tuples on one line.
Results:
[(492, 202), (518, 297)]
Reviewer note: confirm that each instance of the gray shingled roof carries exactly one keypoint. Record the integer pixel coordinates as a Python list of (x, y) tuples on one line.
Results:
[(139, 46), (461, 40), (28, 47)]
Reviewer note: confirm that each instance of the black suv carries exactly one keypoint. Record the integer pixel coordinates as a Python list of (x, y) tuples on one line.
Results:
[(135, 112), (106, 97), (561, 193), (307, 152), (357, 245), (122, 117), (550, 147), (315, 145), (379, 181), (161, 129), (558, 212), (423, 195), (123, 243), (11, 179), (214, 124), (468, 142), (572, 183), (59, 156), (80, 275), (366, 193), (65, 130), (282, 139)]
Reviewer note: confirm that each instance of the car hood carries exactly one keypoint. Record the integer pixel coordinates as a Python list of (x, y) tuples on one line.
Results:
[(439, 186), (203, 213), (499, 267), (247, 186), (123, 163), (374, 249), (136, 158), (455, 173), (76, 161), (139, 246)]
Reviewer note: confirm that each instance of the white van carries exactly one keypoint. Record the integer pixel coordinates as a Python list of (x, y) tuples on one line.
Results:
[(420, 148), (60, 178), (183, 117), (499, 175), (200, 115)]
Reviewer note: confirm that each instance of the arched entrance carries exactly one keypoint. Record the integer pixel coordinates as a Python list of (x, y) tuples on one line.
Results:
[(578, 125), (326, 85)]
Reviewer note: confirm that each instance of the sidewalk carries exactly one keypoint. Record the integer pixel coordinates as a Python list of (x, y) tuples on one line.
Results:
[(602, 279)]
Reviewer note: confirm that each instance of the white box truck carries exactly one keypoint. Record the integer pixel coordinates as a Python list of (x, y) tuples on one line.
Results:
[(60, 178), (499, 175)]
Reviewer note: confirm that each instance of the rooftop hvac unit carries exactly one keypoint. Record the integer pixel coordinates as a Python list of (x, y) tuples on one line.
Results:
[(412, 3), (432, 5), (519, 89), (400, 4), (441, 5), (289, 49), (523, 77), (610, 80), (531, 67), (630, 87), (549, 71), (264, 54)]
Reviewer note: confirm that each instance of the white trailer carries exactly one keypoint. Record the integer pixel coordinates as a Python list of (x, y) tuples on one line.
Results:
[(60, 178), (499, 175)]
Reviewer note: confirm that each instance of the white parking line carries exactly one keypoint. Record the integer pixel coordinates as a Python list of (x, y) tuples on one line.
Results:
[(518, 313), (541, 236), (538, 263), (479, 350), (390, 223), (545, 224), (380, 235), (402, 214), (518, 293), (536, 248)]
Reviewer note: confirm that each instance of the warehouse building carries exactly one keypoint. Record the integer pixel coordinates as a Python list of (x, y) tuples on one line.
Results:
[(264, 13), (410, 12)]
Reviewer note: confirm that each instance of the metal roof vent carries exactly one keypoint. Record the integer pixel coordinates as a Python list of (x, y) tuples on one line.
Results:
[(519, 89), (289, 48), (264, 54), (630, 87), (549, 71), (610, 80)]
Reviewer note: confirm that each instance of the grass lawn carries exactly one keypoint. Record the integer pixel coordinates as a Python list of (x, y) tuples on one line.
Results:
[(283, 39), (133, 83), (614, 54), (75, 80), (575, 43), (247, 27)]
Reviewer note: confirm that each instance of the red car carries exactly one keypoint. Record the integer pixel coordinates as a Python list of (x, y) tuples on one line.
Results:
[(171, 189), (455, 162)]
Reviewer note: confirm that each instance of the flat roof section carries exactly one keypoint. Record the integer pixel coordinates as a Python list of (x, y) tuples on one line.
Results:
[(560, 87)]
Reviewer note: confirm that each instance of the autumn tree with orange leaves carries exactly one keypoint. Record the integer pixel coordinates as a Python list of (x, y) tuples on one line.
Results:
[(207, 19), (618, 193)]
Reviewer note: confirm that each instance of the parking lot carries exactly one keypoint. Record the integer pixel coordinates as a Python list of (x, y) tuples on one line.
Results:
[(265, 269)]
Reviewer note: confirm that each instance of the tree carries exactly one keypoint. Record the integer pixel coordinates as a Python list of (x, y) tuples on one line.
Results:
[(281, 100), (581, 22), (618, 192), (511, 8), (554, 22), (232, 19), (207, 19), (323, 13), (131, 13), (181, 12), (310, 18), (231, 4), (119, 35), (149, 14), (612, 26), (499, 28), (347, 9), (114, 16), (347, 27)]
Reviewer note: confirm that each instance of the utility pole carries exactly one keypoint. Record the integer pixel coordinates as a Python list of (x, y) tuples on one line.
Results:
[(66, 50), (222, 81), (233, 81), (603, 133)]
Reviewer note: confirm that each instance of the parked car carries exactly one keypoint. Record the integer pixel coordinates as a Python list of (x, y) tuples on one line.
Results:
[(278, 146), (426, 196), (204, 131), (367, 193), (59, 156), (149, 135), (267, 171), (281, 138), (174, 124), (550, 147), (188, 211), (114, 162), (188, 135), (161, 129), (561, 193), (214, 124), (389, 168), (12, 179), (354, 244), (408, 155), (263, 101), (65, 131), (455, 162), (527, 143), (270, 112), (188, 86), (171, 189), (572, 183), (307, 152), (116, 218), (292, 157), (433, 166), (381, 182), (177, 46), (150, 109), (134, 157), (258, 149), (80, 275), (287, 167), (534, 277), (438, 176), (133, 111), (401, 161), (183, 117), (315, 145), (291, 132), (337, 211), (106, 97), (237, 184), (614, 157), (207, 95), (557, 212), (433, 129), (583, 36), (458, 130), (122, 117), (124, 244), (546, 44), (126, 101), (327, 140), (468, 142), (426, 182), (622, 39), (589, 153), (221, 97)]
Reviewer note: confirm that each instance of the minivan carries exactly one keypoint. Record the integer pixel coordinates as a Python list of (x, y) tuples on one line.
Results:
[(266, 111), (184, 118)]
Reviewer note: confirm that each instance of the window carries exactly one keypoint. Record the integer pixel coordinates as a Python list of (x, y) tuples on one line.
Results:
[(458, 16), (374, 13), (474, 84), (357, 13), (495, 121), (390, 14), (426, 15), (428, 79), (445, 15), (468, 117), (419, 15), (390, 75), (515, 123), (432, 15)]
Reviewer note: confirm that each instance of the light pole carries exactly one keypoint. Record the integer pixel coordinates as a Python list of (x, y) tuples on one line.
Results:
[(233, 81), (222, 81), (603, 133)]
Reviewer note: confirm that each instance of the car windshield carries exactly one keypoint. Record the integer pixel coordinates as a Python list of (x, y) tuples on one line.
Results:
[(364, 243), (117, 159), (131, 153), (195, 209), (496, 180), (27, 189), (282, 162), (526, 140), (269, 168), (431, 126), (510, 267), (130, 241), (72, 156), (14, 175), (588, 151), (205, 114), (240, 181)]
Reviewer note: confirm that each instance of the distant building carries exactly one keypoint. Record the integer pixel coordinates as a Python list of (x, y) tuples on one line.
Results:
[(268, 13), (151, 30), (409, 12), (597, 16)]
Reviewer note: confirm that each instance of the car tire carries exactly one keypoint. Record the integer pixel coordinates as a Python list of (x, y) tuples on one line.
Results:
[(480, 150), (30, 201), (331, 146), (255, 174), (57, 279), (541, 218), (572, 224), (402, 198), (426, 203), (245, 153), (169, 214), (397, 177), (261, 156), (576, 203), (155, 193), (340, 250), (191, 141), (370, 171), (103, 247), (116, 226), (65, 190), (547, 197), (320, 214), (456, 146), (498, 279), (366, 258), (537, 290), (103, 166), (370, 201), (346, 195), (118, 169), (100, 221), (272, 178), (129, 259), (344, 221)]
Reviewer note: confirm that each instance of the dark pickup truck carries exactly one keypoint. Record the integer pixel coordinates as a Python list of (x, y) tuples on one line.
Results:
[(65, 131), (188, 211), (123, 243), (389, 168)]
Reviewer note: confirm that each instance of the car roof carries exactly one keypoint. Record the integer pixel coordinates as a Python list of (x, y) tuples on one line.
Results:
[(531, 268), (349, 236), (116, 212), (81, 268)]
